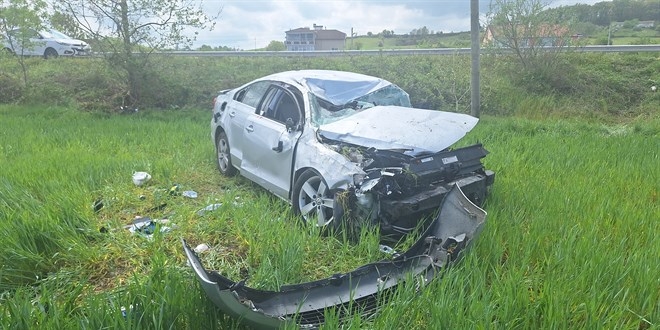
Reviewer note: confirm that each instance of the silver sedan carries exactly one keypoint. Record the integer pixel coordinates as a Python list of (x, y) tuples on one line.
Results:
[(341, 145)]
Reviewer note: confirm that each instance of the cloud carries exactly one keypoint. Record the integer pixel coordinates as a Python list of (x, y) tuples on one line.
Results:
[(249, 24)]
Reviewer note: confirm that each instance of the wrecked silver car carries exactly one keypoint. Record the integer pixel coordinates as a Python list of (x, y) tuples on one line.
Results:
[(361, 291), (340, 145)]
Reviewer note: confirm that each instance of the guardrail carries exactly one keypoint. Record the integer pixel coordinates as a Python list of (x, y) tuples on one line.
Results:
[(435, 51)]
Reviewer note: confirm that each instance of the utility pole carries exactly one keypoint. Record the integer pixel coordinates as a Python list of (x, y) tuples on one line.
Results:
[(352, 35), (475, 99)]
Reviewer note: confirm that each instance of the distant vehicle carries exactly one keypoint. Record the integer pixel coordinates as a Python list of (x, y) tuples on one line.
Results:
[(48, 43)]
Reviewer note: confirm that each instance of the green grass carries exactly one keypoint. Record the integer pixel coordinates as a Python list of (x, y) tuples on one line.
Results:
[(570, 239)]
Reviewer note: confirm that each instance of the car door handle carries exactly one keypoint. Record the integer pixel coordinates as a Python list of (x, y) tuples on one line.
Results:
[(249, 128), (232, 114), (279, 148)]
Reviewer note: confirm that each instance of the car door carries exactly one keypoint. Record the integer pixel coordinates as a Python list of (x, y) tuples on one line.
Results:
[(39, 41), (270, 142), (29, 42), (244, 103)]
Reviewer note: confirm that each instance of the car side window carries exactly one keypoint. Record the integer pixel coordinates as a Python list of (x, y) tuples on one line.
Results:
[(252, 94), (280, 106), (287, 109)]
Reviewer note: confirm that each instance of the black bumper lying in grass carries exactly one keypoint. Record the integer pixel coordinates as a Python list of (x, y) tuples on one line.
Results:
[(457, 224)]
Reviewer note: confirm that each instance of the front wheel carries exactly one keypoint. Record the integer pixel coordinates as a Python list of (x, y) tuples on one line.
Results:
[(223, 156), (50, 53), (313, 199)]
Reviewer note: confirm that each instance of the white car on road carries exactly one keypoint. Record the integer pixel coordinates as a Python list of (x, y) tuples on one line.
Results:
[(48, 43)]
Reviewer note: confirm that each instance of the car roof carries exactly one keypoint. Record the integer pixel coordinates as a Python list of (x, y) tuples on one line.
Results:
[(337, 87)]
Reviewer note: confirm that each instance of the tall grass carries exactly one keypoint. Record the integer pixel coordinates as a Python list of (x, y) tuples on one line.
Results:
[(569, 243)]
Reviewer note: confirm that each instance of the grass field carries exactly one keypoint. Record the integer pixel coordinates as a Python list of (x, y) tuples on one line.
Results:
[(570, 240)]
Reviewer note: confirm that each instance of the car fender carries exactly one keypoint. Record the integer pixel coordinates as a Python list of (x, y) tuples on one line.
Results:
[(335, 168)]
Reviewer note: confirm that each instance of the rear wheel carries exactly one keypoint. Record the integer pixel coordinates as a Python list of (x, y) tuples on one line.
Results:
[(313, 199), (223, 156), (50, 53)]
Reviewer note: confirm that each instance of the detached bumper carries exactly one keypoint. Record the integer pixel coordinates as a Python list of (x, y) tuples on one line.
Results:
[(457, 224)]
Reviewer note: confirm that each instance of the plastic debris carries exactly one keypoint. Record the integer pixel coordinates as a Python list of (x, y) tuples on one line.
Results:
[(189, 194), (140, 178), (146, 226), (201, 248), (209, 208), (124, 312)]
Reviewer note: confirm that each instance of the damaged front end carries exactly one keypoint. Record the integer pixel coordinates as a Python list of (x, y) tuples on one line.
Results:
[(398, 189), (458, 223), (403, 176)]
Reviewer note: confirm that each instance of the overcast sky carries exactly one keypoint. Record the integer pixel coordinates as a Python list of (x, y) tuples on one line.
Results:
[(250, 24)]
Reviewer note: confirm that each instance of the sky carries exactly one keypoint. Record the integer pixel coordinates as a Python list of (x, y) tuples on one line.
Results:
[(250, 24)]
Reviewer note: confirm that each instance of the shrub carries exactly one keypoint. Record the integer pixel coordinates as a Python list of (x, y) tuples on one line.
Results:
[(566, 81), (11, 88)]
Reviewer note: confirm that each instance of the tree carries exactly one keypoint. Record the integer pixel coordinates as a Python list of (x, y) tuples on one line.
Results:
[(127, 32), (423, 31), (21, 17), (67, 24), (527, 29), (276, 46)]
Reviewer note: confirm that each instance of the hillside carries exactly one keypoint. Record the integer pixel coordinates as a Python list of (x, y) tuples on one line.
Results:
[(618, 22), (622, 34)]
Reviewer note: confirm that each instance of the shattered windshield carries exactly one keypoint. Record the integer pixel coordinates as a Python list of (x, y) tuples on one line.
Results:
[(324, 112)]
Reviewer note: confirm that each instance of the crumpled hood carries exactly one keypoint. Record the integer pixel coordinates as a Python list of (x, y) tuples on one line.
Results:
[(394, 127)]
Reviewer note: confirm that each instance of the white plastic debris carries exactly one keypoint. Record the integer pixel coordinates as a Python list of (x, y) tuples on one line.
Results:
[(189, 194), (209, 208), (201, 248), (140, 178)]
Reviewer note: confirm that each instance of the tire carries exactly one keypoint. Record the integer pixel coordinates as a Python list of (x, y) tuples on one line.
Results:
[(223, 156), (313, 200), (50, 53)]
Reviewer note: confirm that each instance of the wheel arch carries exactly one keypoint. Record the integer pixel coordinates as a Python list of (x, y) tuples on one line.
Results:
[(333, 184), (217, 132), (294, 178), (50, 49)]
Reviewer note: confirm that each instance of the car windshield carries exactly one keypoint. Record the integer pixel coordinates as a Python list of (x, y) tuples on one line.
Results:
[(324, 112)]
